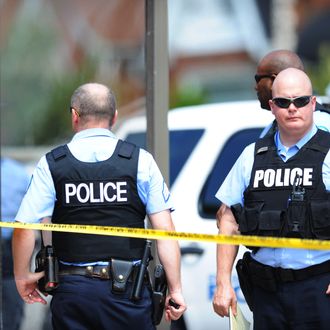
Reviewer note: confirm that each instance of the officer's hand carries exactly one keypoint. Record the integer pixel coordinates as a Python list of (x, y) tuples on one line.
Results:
[(27, 287), (171, 312), (328, 290), (224, 297)]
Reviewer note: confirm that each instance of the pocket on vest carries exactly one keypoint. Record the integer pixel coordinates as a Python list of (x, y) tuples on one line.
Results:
[(296, 220), (270, 223), (321, 219), (249, 220)]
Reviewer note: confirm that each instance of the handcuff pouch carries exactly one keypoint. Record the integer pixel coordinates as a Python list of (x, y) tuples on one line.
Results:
[(120, 273)]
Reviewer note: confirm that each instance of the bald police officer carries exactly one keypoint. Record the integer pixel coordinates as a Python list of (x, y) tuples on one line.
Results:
[(280, 186), (99, 180)]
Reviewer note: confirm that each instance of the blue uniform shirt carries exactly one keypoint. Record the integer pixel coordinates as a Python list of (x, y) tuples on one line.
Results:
[(93, 145), (14, 182), (232, 189)]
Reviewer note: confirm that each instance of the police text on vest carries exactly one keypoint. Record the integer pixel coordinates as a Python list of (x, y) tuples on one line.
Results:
[(282, 177), (96, 192)]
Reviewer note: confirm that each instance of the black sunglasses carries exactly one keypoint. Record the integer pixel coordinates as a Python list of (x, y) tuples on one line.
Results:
[(284, 102), (258, 77)]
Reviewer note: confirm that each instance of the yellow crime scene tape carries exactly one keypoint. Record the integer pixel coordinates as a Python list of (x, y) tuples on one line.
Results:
[(272, 242)]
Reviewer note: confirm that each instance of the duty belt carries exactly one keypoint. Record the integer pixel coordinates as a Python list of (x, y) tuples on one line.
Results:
[(268, 277), (284, 275), (102, 272), (98, 271)]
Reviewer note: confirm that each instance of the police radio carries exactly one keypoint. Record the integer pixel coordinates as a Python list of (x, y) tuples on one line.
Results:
[(296, 213), (47, 261), (298, 192)]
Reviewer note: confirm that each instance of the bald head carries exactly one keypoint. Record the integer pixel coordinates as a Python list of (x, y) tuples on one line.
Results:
[(293, 112), (278, 60), (95, 101), (291, 83), (269, 67)]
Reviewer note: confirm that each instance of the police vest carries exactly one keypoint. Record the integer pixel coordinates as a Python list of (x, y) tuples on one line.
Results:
[(100, 193), (274, 205)]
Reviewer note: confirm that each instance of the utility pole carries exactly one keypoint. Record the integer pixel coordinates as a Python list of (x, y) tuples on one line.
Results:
[(157, 82), (157, 91)]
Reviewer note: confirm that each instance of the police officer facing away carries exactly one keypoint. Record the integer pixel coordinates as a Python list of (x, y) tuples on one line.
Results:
[(267, 70), (280, 186), (100, 180)]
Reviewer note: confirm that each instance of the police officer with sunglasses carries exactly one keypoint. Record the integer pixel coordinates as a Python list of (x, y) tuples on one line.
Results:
[(267, 70), (97, 179), (280, 187)]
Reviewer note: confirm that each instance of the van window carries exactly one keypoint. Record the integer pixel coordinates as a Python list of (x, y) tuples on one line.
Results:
[(208, 204), (182, 143)]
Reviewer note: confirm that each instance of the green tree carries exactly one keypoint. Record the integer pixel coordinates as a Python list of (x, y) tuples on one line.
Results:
[(320, 73)]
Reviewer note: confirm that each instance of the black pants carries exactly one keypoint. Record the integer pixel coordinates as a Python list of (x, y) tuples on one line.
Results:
[(82, 303), (296, 305)]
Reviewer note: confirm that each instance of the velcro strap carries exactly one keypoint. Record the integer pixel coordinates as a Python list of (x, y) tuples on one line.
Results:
[(59, 152), (126, 149), (320, 148)]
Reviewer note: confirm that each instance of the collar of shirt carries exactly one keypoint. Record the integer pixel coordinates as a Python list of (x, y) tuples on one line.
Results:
[(286, 153), (92, 132), (93, 145)]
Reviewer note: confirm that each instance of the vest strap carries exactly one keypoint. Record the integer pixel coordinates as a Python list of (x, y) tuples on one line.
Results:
[(59, 152), (126, 149)]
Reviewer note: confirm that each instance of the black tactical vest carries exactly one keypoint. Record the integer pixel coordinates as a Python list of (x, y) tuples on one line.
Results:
[(100, 193), (287, 199)]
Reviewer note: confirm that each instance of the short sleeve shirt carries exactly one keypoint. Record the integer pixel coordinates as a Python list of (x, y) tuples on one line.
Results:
[(232, 189), (93, 145)]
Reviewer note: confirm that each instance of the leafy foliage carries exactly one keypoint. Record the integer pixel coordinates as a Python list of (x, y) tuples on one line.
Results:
[(320, 72)]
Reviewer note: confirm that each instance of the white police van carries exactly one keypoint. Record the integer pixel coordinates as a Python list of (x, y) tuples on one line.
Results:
[(205, 141)]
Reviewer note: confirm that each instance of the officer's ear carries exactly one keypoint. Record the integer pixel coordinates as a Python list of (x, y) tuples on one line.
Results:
[(114, 119), (75, 116), (271, 105)]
